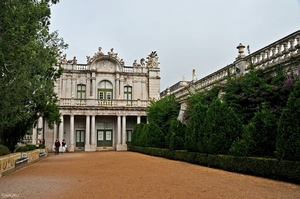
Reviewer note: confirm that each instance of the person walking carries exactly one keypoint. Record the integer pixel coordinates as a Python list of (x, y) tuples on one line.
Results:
[(57, 145), (64, 145)]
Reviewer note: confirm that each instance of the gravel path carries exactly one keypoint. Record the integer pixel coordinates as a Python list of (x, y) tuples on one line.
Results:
[(133, 175)]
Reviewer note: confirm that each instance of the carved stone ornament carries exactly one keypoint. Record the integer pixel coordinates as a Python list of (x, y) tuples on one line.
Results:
[(105, 65), (152, 60)]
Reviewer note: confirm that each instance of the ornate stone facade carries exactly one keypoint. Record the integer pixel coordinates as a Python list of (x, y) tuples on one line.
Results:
[(101, 101)]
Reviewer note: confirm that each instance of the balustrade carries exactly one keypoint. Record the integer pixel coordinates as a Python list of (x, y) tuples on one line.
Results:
[(99, 103), (270, 55)]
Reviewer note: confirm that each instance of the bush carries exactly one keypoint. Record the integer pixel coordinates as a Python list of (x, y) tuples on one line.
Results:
[(4, 150), (26, 148), (288, 142)]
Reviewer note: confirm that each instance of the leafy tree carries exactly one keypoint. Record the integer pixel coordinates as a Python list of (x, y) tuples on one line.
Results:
[(154, 136), (194, 135), (162, 112), (288, 142), (176, 134), (136, 134), (259, 136), (264, 130), (221, 127), (196, 110), (28, 52), (246, 94), (243, 146)]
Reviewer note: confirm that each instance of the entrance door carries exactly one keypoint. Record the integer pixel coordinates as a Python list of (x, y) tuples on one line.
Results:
[(80, 138), (104, 138)]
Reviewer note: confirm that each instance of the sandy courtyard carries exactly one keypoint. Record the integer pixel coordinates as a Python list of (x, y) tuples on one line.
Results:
[(133, 175)]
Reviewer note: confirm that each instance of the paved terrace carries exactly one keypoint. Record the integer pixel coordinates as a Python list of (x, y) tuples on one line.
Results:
[(133, 175)]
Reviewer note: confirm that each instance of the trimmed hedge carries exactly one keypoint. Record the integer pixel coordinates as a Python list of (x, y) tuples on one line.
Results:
[(4, 150), (263, 167), (25, 148)]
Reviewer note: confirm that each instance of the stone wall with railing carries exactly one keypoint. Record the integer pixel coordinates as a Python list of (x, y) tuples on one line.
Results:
[(10, 162), (281, 51)]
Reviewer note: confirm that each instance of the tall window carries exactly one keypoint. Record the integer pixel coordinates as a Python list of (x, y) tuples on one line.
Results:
[(81, 91), (128, 92)]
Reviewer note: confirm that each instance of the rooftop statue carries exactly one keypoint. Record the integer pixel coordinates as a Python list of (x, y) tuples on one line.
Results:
[(99, 51), (135, 63), (142, 62), (194, 75), (152, 60), (112, 53)]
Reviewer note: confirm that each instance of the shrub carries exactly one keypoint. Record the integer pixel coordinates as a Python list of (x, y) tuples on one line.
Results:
[(25, 148), (288, 142), (4, 150)]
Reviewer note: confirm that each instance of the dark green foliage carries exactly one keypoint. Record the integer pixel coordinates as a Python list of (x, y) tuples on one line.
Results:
[(152, 136), (136, 134), (28, 52), (243, 146), (176, 134), (264, 131), (4, 150), (162, 112), (220, 128), (264, 167), (25, 148), (246, 94), (193, 130), (288, 142)]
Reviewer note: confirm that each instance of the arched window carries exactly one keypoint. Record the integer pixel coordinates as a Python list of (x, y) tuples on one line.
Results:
[(105, 91)]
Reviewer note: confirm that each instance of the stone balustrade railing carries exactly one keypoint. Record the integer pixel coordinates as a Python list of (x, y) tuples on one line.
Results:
[(276, 52), (271, 55), (103, 103)]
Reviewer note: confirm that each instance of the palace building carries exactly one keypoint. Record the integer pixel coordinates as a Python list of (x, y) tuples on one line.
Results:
[(101, 101)]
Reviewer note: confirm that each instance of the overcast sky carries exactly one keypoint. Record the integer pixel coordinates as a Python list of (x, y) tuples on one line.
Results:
[(187, 35)]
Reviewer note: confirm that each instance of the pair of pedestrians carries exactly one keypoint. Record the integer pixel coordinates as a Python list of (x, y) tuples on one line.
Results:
[(57, 145)]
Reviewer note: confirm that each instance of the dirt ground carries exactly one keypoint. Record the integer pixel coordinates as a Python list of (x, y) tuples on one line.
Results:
[(133, 175)]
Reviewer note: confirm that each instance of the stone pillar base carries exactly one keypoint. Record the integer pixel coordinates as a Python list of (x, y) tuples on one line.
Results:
[(70, 148), (121, 147), (92, 147), (87, 147)]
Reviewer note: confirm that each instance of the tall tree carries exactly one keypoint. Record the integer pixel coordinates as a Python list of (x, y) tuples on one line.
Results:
[(288, 141), (28, 52), (162, 112)]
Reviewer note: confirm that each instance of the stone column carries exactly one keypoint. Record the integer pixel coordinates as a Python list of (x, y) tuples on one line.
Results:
[(40, 129), (71, 145), (61, 130), (87, 134), (117, 86), (119, 129), (138, 119), (34, 134), (73, 88), (88, 86), (124, 130), (93, 135), (93, 84), (54, 136), (121, 88)]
